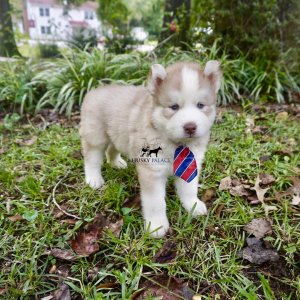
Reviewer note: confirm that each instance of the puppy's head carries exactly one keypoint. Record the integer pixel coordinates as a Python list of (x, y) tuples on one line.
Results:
[(185, 99)]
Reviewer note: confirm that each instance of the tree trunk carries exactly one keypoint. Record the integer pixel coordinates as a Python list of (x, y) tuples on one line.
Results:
[(8, 46), (177, 20)]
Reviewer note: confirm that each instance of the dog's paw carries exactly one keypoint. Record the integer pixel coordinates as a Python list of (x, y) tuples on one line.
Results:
[(94, 182), (119, 163), (157, 227), (197, 206)]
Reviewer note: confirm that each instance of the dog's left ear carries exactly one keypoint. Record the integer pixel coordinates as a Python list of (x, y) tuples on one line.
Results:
[(156, 77), (213, 72)]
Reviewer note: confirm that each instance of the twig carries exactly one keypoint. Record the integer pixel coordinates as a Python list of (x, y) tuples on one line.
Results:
[(54, 201)]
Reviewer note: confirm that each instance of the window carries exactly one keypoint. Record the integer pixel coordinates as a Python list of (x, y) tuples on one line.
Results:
[(45, 29), (88, 15), (44, 12)]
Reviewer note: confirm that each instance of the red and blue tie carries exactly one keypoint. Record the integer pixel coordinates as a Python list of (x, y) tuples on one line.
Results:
[(185, 165)]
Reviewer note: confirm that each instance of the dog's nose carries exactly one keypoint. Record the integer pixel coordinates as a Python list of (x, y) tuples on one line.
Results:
[(190, 128)]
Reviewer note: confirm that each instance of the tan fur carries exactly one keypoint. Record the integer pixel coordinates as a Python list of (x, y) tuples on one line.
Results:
[(117, 119)]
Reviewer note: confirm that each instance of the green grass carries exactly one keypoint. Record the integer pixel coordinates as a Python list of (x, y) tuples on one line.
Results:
[(207, 246)]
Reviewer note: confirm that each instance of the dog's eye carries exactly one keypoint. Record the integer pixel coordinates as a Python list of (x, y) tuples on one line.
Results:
[(174, 107), (200, 105)]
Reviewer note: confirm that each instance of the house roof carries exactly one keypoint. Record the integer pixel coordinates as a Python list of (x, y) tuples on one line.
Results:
[(79, 24)]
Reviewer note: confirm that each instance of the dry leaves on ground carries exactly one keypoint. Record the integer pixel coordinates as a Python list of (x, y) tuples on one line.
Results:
[(259, 227), (166, 253), (28, 142), (163, 287), (254, 195), (87, 239), (293, 191), (256, 252)]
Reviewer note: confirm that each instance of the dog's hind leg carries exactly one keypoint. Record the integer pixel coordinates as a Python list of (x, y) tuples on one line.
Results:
[(93, 159), (113, 156)]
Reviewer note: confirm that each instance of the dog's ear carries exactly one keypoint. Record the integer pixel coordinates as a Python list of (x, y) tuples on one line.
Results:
[(156, 77), (213, 72)]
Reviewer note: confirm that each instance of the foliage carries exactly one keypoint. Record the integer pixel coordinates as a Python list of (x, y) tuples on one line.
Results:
[(66, 81), (49, 50), (84, 39), (18, 90), (259, 29)]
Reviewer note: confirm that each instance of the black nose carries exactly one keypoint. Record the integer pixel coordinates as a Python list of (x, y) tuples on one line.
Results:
[(190, 128)]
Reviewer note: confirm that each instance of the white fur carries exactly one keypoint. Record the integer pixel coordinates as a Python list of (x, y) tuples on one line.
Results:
[(117, 119)]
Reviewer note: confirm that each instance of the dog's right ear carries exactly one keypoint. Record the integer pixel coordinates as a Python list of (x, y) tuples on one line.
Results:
[(156, 77)]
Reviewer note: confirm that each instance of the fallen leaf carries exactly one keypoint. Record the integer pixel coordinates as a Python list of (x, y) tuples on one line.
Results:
[(296, 200), (15, 218), (208, 195), (283, 115), (48, 297), (256, 252), (259, 191), (3, 291), (166, 253), (29, 142), (219, 210), (266, 179), (63, 293), (69, 221), (53, 269), (62, 254), (264, 158), (225, 184), (115, 227), (132, 202), (269, 208), (163, 287), (259, 227), (250, 124), (86, 240), (3, 150)]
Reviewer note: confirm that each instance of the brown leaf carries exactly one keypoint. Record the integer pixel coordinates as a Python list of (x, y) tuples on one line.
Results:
[(68, 221), (164, 287), (166, 253), (29, 142), (259, 191), (256, 252), (62, 254), (63, 293), (86, 240), (266, 179), (132, 202), (283, 115), (3, 150), (259, 227), (264, 158), (15, 218), (3, 291), (208, 195), (219, 210), (225, 184), (115, 227)]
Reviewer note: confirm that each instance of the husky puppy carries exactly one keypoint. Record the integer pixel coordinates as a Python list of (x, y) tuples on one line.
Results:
[(177, 107)]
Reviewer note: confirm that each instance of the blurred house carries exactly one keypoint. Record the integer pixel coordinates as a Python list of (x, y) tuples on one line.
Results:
[(54, 21)]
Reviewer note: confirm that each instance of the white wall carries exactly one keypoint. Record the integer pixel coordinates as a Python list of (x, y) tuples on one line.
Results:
[(60, 25)]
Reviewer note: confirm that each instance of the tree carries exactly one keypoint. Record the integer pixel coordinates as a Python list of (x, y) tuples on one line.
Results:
[(176, 22), (261, 29), (8, 46)]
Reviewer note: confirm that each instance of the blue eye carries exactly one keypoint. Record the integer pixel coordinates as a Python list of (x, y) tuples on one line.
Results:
[(200, 105), (174, 107)]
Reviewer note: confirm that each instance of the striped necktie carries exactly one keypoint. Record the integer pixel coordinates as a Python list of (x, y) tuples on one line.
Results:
[(184, 165)]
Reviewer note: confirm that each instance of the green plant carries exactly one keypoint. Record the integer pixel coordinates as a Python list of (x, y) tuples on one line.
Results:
[(49, 50), (17, 89)]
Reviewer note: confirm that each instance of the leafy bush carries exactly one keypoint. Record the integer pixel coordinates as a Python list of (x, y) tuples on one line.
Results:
[(17, 90), (84, 39), (66, 81), (49, 50)]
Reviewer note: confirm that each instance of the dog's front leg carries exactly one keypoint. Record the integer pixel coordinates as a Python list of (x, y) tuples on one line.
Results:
[(153, 190), (187, 192)]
